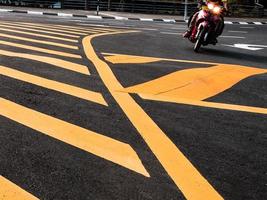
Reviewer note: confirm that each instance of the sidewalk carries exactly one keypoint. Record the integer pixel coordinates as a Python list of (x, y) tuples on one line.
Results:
[(119, 15)]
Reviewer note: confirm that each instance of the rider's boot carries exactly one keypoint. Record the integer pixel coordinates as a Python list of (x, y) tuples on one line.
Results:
[(187, 34)]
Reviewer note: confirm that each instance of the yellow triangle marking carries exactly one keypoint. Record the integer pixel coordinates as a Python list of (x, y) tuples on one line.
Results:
[(92, 142), (10, 191)]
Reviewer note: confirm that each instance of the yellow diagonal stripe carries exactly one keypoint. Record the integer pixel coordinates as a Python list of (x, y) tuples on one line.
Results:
[(10, 191), (97, 144), (49, 60), (215, 105), (189, 180), (43, 27), (20, 27), (54, 85), (36, 34), (39, 41), (43, 50)]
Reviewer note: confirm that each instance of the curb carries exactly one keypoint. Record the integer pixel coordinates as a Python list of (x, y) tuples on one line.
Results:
[(116, 17)]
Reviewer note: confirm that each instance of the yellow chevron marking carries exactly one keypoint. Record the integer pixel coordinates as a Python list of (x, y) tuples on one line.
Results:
[(20, 27), (191, 183), (10, 191), (92, 142), (36, 34), (54, 85), (49, 60), (39, 41), (43, 50), (197, 83)]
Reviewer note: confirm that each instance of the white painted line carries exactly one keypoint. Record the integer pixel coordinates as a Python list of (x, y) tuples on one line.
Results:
[(169, 20), (228, 22), (93, 17), (34, 12), (146, 20), (237, 31), (243, 23), (65, 15), (258, 23), (5, 10), (120, 18), (230, 36)]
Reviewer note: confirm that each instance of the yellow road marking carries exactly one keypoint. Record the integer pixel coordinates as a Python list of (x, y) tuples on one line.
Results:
[(129, 58), (43, 27), (205, 104), (67, 28), (34, 30), (37, 35), (192, 184), (54, 85), (196, 83), (86, 29), (43, 50), (121, 59), (92, 142), (49, 60), (10, 191), (39, 41)]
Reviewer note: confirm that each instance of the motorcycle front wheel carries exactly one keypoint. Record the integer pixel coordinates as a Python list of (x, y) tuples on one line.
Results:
[(200, 40)]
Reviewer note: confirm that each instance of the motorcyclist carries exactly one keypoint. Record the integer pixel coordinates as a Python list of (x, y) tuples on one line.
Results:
[(223, 3)]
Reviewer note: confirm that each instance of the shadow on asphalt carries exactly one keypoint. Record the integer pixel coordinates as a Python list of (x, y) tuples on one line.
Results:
[(235, 55)]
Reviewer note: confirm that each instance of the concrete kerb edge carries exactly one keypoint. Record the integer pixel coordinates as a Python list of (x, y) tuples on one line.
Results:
[(60, 14)]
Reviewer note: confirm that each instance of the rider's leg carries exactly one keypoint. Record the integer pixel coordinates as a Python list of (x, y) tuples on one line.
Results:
[(188, 33)]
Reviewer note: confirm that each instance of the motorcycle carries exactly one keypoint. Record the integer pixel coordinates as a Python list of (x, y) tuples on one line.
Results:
[(209, 25)]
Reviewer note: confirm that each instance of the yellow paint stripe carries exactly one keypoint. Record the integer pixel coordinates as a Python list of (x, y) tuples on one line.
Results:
[(192, 184), (121, 59), (92, 142), (20, 27), (49, 60), (65, 28), (12, 30), (10, 191), (152, 59), (43, 50), (205, 104), (43, 27), (54, 85), (86, 29), (39, 41)]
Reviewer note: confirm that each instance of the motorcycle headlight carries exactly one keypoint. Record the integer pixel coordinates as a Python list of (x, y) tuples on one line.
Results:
[(210, 6), (216, 9)]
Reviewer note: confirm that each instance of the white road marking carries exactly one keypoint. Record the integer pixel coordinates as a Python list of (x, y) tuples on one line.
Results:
[(231, 36), (252, 47), (35, 12), (258, 23), (237, 31), (64, 15)]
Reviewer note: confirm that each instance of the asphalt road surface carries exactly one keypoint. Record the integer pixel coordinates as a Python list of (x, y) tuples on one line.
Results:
[(126, 110)]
